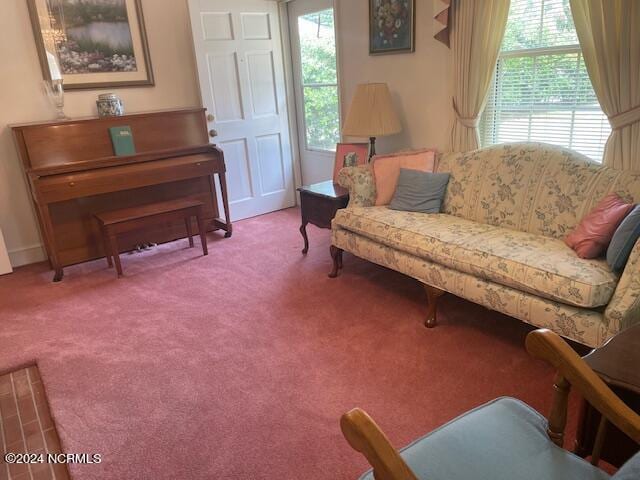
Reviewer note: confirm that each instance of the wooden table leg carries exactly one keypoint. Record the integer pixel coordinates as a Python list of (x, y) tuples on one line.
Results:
[(187, 223), (303, 232), (113, 247), (202, 231)]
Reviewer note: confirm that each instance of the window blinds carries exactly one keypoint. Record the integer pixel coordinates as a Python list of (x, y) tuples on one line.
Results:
[(541, 90)]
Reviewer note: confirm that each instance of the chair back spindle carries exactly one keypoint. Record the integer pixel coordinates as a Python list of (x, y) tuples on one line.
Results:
[(573, 370), (364, 436), (558, 414)]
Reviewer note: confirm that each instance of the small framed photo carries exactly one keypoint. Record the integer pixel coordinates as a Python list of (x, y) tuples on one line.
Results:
[(349, 155), (392, 26), (91, 43)]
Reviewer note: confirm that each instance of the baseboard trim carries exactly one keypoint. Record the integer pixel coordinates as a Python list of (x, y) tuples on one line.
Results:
[(27, 255)]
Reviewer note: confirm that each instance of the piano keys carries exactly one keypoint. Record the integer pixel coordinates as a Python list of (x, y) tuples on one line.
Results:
[(73, 174)]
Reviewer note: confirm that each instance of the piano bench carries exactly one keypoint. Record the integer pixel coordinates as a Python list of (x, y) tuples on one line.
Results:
[(126, 220)]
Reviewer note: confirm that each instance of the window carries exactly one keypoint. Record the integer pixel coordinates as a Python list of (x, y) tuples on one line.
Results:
[(541, 91), (319, 80)]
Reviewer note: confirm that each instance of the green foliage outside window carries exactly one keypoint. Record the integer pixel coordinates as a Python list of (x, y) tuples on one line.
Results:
[(319, 79), (560, 79)]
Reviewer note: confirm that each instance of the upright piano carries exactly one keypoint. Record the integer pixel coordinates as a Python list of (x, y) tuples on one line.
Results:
[(73, 174)]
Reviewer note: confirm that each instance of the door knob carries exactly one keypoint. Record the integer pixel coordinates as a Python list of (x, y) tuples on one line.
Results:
[(213, 133), (210, 118)]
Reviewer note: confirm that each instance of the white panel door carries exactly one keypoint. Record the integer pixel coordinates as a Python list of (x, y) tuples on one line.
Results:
[(239, 56)]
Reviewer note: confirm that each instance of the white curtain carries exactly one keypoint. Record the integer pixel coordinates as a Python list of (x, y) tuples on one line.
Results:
[(477, 29), (609, 34)]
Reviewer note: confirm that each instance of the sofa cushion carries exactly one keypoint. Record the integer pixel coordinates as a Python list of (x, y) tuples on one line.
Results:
[(630, 470), (533, 263), (386, 170), (623, 241), (591, 238), (419, 191), (502, 440)]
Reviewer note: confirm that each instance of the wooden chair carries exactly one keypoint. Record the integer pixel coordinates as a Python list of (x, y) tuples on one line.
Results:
[(497, 449)]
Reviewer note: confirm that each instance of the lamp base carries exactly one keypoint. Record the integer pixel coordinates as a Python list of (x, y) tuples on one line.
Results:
[(372, 148)]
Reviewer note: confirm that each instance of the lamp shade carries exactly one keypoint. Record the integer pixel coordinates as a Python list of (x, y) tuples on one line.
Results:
[(371, 113)]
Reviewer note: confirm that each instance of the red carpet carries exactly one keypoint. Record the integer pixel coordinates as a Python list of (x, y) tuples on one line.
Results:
[(238, 365)]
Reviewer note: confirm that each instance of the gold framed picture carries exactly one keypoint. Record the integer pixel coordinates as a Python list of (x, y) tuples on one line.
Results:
[(90, 44), (392, 26)]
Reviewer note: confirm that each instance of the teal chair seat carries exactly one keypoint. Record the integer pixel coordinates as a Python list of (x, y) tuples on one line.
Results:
[(502, 440)]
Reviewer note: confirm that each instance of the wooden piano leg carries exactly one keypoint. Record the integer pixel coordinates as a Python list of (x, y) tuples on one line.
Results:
[(52, 251), (225, 203), (58, 275)]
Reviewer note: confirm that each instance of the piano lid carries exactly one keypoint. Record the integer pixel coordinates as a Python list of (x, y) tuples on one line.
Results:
[(61, 145)]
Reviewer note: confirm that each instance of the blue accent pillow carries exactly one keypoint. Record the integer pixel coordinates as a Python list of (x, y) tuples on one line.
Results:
[(630, 470), (418, 191), (623, 241)]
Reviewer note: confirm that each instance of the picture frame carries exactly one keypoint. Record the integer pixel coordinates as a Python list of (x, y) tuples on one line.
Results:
[(361, 151), (392, 26), (92, 44)]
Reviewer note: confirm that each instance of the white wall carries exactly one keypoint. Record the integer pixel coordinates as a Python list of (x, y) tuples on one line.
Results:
[(420, 82), (169, 36)]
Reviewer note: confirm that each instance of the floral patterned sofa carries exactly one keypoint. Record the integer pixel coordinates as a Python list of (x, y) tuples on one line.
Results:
[(499, 242)]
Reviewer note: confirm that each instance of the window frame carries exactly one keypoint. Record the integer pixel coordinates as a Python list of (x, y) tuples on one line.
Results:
[(317, 85), (490, 118)]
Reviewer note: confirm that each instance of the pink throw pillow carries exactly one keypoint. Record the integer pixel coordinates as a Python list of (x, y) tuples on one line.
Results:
[(594, 233), (386, 170)]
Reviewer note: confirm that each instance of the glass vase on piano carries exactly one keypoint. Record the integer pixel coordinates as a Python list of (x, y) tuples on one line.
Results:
[(55, 93)]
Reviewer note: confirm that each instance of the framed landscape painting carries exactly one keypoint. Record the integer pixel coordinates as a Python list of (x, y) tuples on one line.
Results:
[(392, 26), (92, 43)]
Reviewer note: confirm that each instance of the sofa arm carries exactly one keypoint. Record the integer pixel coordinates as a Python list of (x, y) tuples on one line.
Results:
[(361, 184), (624, 308)]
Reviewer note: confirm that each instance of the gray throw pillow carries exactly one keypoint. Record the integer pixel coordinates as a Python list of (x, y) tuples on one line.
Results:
[(630, 470), (419, 191), (623, 241)]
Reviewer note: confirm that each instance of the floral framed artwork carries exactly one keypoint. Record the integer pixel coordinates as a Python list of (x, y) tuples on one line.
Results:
[(392, 26), (349, 155), (92, 43)]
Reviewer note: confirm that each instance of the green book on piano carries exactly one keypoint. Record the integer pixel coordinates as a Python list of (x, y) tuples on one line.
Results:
[(122, 140)]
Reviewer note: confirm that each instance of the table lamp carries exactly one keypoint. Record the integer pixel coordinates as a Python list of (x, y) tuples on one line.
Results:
[(371, 114)]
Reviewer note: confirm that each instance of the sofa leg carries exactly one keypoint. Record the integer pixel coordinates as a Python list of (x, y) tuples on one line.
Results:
[(433, 294), (336, 255)]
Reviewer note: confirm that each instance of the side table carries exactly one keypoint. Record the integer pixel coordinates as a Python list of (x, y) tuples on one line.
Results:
[(618, 363), (319, 203)]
